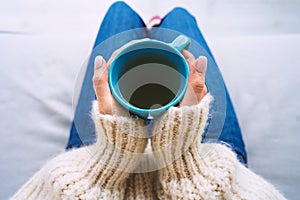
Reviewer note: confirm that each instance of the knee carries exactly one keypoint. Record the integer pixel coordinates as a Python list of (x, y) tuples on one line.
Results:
[(120, 6), (181, 14), (180, 11)]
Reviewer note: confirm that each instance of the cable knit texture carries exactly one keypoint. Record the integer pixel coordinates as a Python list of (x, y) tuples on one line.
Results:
[(141, 186), (95, 172), (187, 169)]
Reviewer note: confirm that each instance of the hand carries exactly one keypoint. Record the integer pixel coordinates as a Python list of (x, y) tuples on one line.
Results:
[(106, 102), (177, 133), (196, 89)]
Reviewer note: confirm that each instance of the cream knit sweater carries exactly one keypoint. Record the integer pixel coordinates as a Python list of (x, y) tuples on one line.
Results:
[(188, 169)]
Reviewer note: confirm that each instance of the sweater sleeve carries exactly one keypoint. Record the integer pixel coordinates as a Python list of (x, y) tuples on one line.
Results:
[(192, 170), (98, 171)]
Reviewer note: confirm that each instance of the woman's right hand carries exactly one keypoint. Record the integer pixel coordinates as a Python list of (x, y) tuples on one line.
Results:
[(106, 102)]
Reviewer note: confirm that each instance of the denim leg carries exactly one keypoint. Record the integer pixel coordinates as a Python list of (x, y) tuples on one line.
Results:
[(182, 21), (119, 18)]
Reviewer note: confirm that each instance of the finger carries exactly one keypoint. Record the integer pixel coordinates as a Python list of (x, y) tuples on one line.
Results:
[(192, 67), (100, 70), (101, 86), (201, 65), (100, 78), (187, 55), (197, 78), (190, 97)]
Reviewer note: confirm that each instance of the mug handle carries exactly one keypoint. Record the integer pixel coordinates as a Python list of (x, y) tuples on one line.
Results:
[(181, 42)]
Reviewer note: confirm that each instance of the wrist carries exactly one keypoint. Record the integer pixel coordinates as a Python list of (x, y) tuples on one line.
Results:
[(120, 143), (178, 130)]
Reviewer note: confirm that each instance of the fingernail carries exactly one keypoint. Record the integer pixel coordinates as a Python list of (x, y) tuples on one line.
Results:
[(201, 64), (98, 62)]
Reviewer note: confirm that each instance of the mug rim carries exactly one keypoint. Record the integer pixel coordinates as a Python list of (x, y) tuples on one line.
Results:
[(137, 110)]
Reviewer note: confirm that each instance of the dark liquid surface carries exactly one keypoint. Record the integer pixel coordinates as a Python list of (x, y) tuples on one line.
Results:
[(151, 96), (149, 78)]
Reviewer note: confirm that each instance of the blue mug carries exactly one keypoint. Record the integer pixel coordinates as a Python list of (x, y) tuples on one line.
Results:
[(150, 76)]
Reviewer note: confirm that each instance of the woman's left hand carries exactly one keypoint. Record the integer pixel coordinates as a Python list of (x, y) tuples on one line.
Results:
[(196, 89)]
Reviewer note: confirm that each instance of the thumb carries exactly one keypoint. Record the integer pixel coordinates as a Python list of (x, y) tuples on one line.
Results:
[(99, 68), (101, 87), (201, 65)]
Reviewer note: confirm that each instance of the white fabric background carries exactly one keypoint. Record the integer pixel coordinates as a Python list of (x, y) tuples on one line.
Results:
[(43, 44)]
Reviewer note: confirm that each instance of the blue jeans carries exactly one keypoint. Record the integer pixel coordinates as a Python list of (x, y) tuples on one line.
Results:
[(120, 17)]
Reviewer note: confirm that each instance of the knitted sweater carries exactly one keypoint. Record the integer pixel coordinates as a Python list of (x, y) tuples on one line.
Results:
[(187, 169)]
